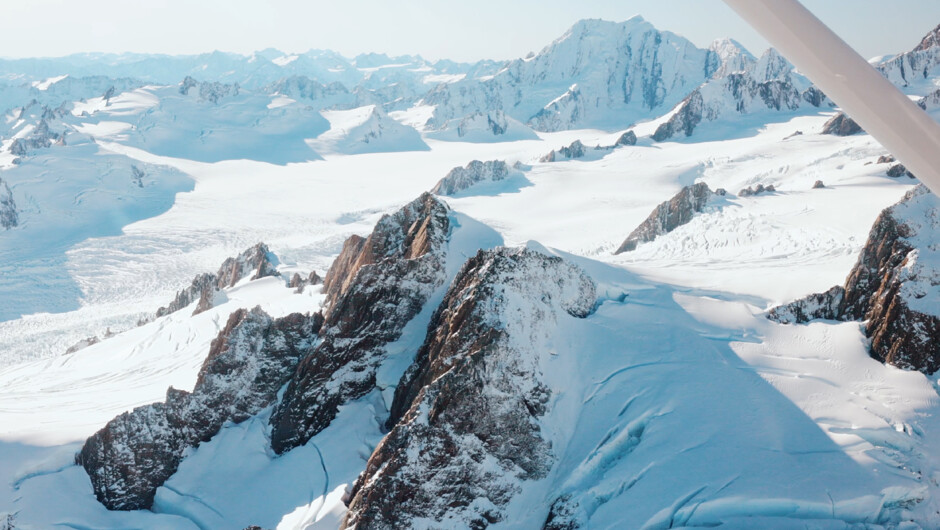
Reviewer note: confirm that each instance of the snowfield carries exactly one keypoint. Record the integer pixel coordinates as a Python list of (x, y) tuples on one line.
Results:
[(674, 403)]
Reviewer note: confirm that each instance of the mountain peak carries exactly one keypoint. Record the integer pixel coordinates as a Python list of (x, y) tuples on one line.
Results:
[(931, 40)]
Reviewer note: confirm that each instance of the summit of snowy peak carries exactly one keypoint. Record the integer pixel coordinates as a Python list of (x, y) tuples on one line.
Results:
[(931, 40), (771, 65), (917, 67), (624, 72), (732, 57), (366, 129)]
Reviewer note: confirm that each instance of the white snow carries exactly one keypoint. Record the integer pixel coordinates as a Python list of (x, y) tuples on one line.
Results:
[(676, 403)]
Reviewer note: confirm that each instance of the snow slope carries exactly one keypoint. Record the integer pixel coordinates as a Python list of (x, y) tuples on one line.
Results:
[(674, 403)]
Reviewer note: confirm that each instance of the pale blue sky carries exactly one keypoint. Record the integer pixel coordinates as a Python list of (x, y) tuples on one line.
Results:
[(498, 29)]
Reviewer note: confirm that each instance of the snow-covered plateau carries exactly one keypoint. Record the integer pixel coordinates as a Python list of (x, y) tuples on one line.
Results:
[(590, 288)]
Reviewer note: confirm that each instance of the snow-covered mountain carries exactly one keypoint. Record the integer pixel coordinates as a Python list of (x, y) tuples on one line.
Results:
[(597, 74), (366, 129), (767, 84), (918, 67), (535, 311)]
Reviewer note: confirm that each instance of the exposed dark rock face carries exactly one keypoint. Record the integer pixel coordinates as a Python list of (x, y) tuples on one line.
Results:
[(248, 363), (768, 84), (894, 287), (756, 190), (841, 125), (683, 121), (929, 41), (575, 150), (898, 170), (89, 341), (255, 262), (299, 283), (462, 178), (137, 175), (885, 159), (822, 305), (9, 216), (915, 65), (41, 137), (374, 288), (818, 185), (669, 215), (627, 138), (465, 418), (209, 91)]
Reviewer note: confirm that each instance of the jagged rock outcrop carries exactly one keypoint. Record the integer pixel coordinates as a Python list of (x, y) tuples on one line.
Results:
[(374, 288), (916, 65), (841, 125), (815, 306), (768, 84), (89, 341), (248, 363), (9, 216), (41, 137), (462, 178), (885, 159), (574, 150), (255, 262), (465, 432), (894, 287), (818, 185), (560, 113), (669, 215), (684, 120), (756, 190), (299, 283), (898, 170), (627, 138), (209, 91)]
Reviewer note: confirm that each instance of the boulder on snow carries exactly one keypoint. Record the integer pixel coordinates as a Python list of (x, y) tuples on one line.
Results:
[(756, 190), (299, 283), (898, 170), (627, 138), (818, 185), (841, 125)]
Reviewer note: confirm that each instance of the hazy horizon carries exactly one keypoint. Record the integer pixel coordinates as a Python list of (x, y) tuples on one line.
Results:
[(487, 30)]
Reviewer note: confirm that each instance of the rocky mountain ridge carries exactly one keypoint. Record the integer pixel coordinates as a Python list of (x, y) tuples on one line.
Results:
[(893, 287)]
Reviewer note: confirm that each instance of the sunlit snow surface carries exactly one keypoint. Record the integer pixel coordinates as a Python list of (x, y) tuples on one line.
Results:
[(676, 403)]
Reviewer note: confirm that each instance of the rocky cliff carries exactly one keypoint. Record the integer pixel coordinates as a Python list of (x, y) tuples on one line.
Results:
[(669, 215), (254, 263), (9, 217), (841, 125), (917, 65), (768, 84), (462, 178), (248, 363), (465, 433), (893, 287), (374, 288)]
